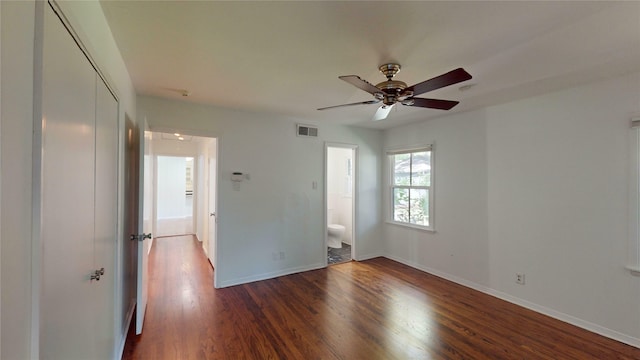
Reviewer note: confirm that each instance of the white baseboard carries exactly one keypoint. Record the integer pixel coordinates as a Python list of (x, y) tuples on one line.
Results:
[(598, 329), (271, 275), (368, 256), (125, 329)]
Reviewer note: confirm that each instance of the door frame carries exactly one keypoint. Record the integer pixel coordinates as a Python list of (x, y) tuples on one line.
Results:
[(209, 134), (215, 210), (354, 191)]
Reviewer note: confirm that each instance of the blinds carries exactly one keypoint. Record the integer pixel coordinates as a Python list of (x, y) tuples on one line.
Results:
[(423, 148)]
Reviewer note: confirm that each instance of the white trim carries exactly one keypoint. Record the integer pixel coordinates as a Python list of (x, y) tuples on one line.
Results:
[(0, 182), (635, 270), (270, 275), (36, 176), (633, 260), (598, 329), (389, 153), (408, 150), (370, 256), (409, 225), (125, 330)]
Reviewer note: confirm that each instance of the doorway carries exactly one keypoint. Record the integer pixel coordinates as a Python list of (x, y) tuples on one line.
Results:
[(175, 196), (340, 170), (184, 186)]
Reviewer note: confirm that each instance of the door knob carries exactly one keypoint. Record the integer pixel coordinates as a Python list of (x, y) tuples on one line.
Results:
[(96, 274), (140, 237)]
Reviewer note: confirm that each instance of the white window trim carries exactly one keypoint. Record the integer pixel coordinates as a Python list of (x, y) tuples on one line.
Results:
[(633, 262), (391, 186)]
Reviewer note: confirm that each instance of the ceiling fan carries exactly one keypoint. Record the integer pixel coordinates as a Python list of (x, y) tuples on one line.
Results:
[(391, 91)]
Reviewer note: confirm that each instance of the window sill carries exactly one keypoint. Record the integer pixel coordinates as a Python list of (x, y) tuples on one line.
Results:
[(411, 226), (635, 270)]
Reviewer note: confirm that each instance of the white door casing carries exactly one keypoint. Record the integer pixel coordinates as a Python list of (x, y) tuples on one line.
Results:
[(354, 192), (144, 227), (106, 214), (212, 210)]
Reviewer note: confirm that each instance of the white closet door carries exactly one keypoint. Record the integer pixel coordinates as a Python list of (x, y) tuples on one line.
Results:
[(69, 83), (105, 217)]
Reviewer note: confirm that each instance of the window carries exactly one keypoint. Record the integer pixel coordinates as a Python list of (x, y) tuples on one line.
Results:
[(411, 187)]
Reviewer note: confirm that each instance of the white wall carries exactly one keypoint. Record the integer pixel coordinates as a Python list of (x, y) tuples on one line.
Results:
[(277, 209), (18, 23), (538, 186), (558, 200), (339, 187), (459, 246), (172, 187), (175, 148)]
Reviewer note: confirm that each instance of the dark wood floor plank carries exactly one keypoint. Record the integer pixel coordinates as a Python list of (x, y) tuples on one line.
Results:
[(375, 309)]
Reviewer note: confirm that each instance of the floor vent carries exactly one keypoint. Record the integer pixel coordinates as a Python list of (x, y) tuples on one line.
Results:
[(307, 131)]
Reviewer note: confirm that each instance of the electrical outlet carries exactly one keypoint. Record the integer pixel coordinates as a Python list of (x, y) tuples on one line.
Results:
[(520, 278)]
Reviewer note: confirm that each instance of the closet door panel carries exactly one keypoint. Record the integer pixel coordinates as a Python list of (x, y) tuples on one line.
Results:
[(105, 216), (67, 225)]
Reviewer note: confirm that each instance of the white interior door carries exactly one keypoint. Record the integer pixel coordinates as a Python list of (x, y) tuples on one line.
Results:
[(67, 319), (212, 210), (145, 237), (106, 215)]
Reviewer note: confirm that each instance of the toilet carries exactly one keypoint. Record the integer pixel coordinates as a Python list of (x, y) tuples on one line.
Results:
[(335, 232), (335, 236)]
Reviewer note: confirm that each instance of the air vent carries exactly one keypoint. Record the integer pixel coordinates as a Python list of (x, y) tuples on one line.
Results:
[(307, 131)]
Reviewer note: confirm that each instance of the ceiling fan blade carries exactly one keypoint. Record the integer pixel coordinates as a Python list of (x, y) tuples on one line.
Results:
[(383, 112), (432, 103), (352, 104), (360, 83), (450, 78)]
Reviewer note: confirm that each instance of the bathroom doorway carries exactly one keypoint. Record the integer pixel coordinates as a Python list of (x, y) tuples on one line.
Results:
[(340, 170)]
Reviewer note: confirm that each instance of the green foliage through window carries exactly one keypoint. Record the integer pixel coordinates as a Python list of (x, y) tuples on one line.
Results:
[(411, 187)]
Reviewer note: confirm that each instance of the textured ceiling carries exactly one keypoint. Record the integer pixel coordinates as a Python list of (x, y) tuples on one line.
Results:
[(285, 57)]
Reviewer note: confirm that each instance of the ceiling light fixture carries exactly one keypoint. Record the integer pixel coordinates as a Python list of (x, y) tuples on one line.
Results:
[(180, 138)]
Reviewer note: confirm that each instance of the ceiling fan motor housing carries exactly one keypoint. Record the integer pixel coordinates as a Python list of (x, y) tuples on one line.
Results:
[(393, 91)]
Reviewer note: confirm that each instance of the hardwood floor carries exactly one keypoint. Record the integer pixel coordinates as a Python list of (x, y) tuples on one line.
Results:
[(375, 309)]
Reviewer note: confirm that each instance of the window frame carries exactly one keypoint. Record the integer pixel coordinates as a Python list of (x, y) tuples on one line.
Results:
[(391, 186), (633, 261)]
